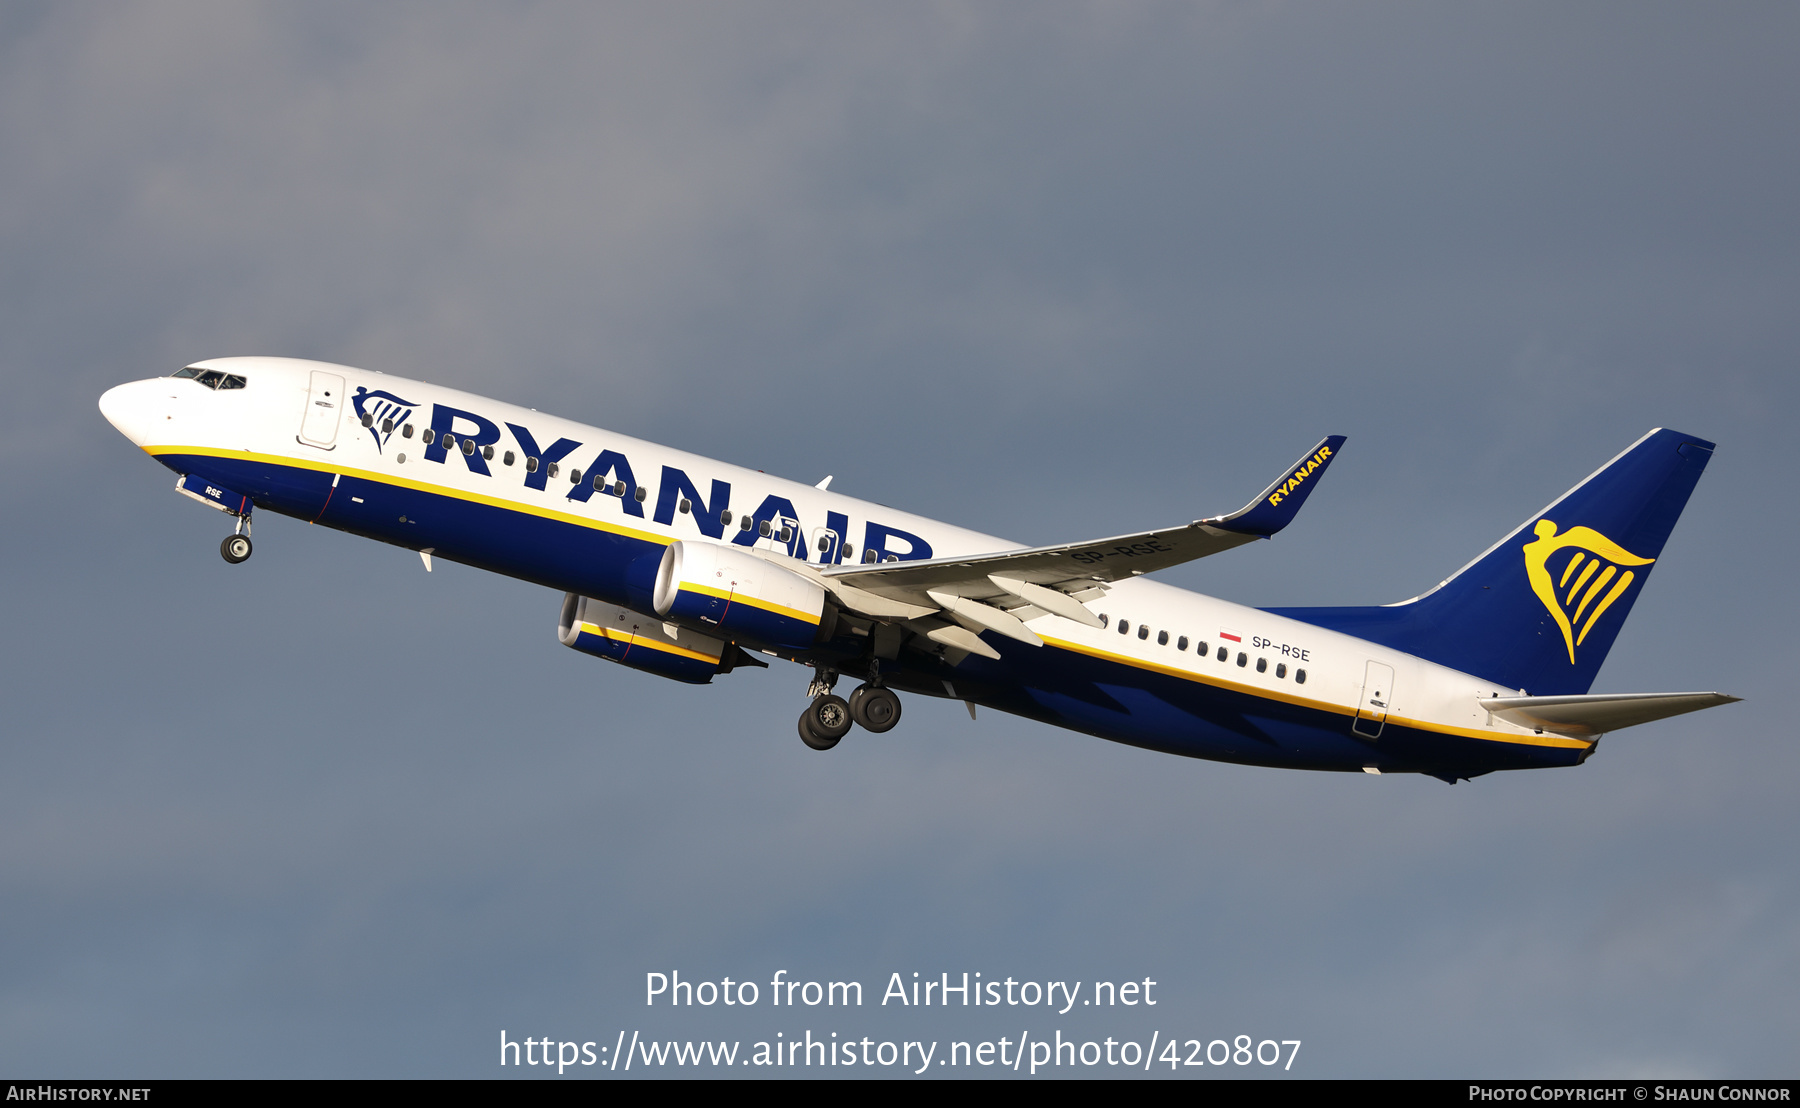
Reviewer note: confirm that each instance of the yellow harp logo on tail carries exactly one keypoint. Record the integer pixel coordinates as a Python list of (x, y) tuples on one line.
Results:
[(1578, 587)]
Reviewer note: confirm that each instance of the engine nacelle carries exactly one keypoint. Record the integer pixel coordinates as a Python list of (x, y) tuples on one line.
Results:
[(640, 641), (742, 595)]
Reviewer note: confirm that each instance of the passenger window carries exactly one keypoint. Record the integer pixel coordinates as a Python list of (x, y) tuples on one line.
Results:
[(406, 432), (574, 476), (868, 556), (553, 468), (598, 487), (1162, 638), (387, 426), (642, 494), (468, 447), (487, 452), (1201, 650), (848, 550), (1102, 619), (1143, 630), (427, 435), (1223, 654), (449, 441), (1243, 659), (1181, 644), (683, 507), (824, 541), (618, 488), (531, 465), (1262, 665), (1124, 627), (891, 558), (787, 533), (1299, 677), (506, 459), (1281, 670), (746, 523), (725, 517), (764, 529), (368, 419)]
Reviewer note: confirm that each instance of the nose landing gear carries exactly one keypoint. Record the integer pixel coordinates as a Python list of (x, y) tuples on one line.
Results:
[(236, 547)]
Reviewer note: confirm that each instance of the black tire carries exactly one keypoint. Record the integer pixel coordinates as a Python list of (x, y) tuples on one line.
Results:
[(829, 717), (875, 710), (235, 548), (809, 737)]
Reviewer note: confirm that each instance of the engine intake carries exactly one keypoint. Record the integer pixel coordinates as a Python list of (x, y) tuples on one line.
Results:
[(745, 597)]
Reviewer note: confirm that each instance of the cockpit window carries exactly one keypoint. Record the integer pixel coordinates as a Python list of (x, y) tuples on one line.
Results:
[(211, 378)]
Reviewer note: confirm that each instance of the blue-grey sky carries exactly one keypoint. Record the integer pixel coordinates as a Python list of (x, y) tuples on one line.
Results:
[(1051, 271)]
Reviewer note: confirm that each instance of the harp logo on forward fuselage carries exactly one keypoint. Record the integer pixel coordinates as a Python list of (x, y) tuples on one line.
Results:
[(388, 412), (1581, 588)]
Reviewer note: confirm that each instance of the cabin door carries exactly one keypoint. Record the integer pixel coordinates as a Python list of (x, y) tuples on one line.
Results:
[(324, 404)]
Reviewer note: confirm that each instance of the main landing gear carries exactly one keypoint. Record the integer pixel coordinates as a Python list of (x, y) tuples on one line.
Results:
[(236, 547), (828, 718)]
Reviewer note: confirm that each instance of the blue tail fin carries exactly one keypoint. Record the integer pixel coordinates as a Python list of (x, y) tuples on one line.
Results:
[(1540, 608)]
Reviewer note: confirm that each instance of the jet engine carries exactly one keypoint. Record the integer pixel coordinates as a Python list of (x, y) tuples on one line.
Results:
[(744, 596), (642, 642)]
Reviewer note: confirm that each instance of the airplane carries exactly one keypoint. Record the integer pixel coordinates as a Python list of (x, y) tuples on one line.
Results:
[(689, 568)]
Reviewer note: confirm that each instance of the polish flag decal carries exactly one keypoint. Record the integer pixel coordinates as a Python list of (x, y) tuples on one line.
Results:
[(1230, 636)]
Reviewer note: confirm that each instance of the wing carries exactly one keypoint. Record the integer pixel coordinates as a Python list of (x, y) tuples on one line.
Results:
[(1000, 591)]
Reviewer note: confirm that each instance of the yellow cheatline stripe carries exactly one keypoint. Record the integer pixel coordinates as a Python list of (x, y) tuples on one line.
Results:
[(740, 598), (633, 639), (1306, 702), (417, 486)]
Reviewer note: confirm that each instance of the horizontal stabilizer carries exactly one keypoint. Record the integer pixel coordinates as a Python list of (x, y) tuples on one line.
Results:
[(1596, 715)]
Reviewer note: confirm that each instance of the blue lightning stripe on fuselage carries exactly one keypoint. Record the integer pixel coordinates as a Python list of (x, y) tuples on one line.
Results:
[(1109, 696)]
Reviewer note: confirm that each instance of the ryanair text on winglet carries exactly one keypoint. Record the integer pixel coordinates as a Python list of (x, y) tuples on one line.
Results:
[(1300, 475)]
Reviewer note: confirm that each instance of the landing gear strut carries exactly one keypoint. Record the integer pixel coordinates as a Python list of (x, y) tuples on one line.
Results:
[(236, 547)]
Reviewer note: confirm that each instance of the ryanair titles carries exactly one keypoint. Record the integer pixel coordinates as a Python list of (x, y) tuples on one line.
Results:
[(1300, 474), (774, 520)]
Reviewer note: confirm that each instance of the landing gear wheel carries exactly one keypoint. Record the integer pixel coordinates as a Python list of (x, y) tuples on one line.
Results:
[(810, 737), (235, 548), (828, 718), (874, 709)]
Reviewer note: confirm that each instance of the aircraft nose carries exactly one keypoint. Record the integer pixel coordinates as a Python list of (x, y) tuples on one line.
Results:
[(131, 408)]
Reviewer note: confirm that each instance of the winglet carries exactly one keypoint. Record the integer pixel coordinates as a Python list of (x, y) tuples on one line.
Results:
[(1279, 503)]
